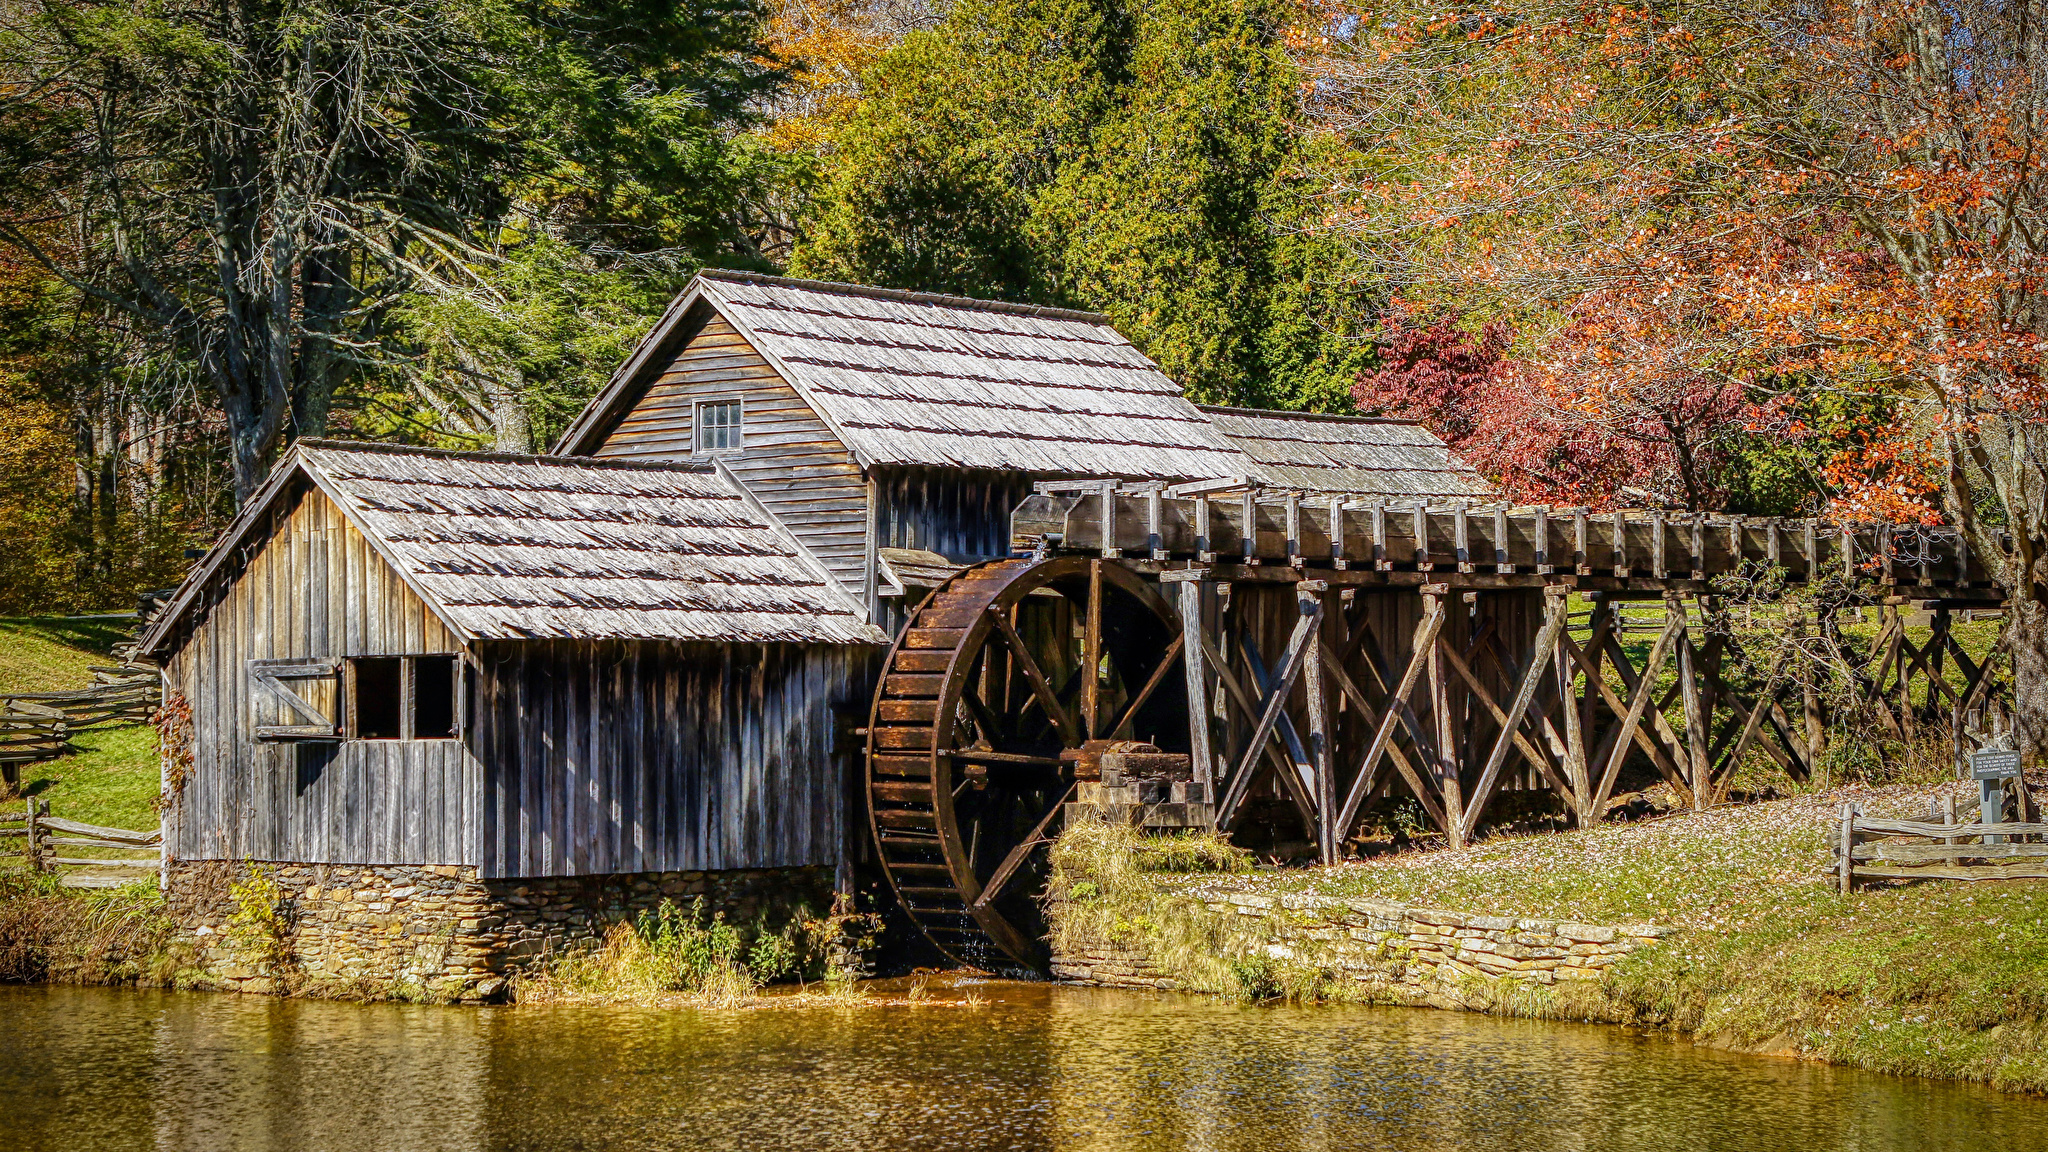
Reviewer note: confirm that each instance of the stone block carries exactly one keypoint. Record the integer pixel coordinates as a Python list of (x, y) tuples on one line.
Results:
[(1586, 933)]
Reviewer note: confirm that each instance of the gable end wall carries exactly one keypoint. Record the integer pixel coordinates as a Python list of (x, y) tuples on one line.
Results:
[(791, 460)]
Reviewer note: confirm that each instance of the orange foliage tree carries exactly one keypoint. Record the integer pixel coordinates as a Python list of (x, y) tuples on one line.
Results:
[(1847, 196)]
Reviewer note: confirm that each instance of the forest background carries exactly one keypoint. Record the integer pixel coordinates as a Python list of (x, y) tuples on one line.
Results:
[(1769, 258)]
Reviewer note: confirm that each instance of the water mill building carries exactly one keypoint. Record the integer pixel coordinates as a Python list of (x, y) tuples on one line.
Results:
[(466, 708)]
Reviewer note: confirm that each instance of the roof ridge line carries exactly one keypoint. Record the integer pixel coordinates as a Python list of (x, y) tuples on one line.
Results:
[(1287, 414), (385, 449), (904, 295)]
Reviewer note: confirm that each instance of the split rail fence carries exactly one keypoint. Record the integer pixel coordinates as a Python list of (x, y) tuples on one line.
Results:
[(1869, 849), (46, 844)]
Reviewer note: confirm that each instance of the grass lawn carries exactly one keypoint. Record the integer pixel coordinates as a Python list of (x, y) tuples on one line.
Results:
[(52, 653), (1932, 978), (112, 780)]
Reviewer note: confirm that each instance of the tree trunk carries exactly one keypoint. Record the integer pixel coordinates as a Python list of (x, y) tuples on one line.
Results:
[(2026, 640), (510, 429)]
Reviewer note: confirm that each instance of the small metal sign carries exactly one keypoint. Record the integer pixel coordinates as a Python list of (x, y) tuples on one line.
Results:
[(1997, 764)]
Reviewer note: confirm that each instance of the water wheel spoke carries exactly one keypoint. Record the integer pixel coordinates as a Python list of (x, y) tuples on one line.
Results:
[(1000, 878), (1041, 689)]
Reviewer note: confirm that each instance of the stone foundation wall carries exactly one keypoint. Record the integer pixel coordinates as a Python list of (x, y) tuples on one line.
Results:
[(443, 929), (1414, 955)]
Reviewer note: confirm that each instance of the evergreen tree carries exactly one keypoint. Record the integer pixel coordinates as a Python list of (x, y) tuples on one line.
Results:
[(1137, 158)]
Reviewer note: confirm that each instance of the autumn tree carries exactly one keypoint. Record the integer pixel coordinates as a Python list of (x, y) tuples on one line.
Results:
[(1854, 192)]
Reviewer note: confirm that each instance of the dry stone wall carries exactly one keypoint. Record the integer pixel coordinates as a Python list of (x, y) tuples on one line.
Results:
[(440, 928), (1392, 951)]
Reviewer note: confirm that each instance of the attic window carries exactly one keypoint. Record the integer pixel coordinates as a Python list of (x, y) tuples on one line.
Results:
[(402, 698), (718, 427)]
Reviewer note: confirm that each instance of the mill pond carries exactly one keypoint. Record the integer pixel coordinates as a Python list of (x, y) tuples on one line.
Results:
[(1033, 1066)]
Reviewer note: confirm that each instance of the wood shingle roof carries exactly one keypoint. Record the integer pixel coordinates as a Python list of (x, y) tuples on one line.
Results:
[(1371, 457), (908, 378), (535, 547)]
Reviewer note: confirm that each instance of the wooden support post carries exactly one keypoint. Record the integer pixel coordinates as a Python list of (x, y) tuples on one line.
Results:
[(1338, 559), (1108, 540), (1250, 511), (1582, 546), (1578, 788), (1544, 553), (1461, 537), (1555, 613), (1294, 557), (1426, 631), (1314, 604), (1809, 698), (1845, 864), (1420, 515), (1690, 690), (1091, 656), (1380, 562), (1155, 530), (34, 847), (1448, 788), (1205, 544), (1194, 662)]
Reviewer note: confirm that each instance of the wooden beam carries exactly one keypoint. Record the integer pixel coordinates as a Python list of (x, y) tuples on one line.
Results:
[(1695, 710), (1166, 662), (1511, 724), (1725, 771), (1194, 662), (1666, 766), (1446, 746), (1269, 710), (1324, 791), (1000, 878), (1479, 692), (1334, 664), (1426, 631), (1235, 692), (1091, 656), (1637, 702)]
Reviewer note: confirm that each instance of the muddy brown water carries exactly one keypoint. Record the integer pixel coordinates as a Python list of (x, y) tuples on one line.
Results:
[(1034, 1067)]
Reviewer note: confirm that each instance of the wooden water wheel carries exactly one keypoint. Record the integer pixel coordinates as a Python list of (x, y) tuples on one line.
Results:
[(986, 714)]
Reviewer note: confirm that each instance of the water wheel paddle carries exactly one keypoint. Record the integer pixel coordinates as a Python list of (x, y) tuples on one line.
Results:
[(985, 712)]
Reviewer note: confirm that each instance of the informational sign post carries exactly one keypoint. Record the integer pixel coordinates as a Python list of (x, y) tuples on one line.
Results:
[(1991, 769)]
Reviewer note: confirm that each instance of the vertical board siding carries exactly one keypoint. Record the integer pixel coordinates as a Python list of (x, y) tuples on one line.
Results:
[(312, 588), (789, 458), (962, 515), (675, 756)]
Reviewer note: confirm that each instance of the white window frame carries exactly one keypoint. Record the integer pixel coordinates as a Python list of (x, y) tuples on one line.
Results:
[(738, 426)]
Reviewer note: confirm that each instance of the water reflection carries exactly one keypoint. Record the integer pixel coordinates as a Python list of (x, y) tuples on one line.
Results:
[(1035, 1068)]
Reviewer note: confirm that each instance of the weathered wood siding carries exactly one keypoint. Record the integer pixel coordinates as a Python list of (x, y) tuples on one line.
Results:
[(962, 514), (312, 588), (789, 457), (632, 756)]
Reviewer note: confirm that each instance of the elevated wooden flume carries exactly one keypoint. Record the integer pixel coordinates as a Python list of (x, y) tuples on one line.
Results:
[(1271, 663)]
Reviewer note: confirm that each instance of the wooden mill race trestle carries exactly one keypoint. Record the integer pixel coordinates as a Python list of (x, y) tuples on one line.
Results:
[(1340, 650)]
